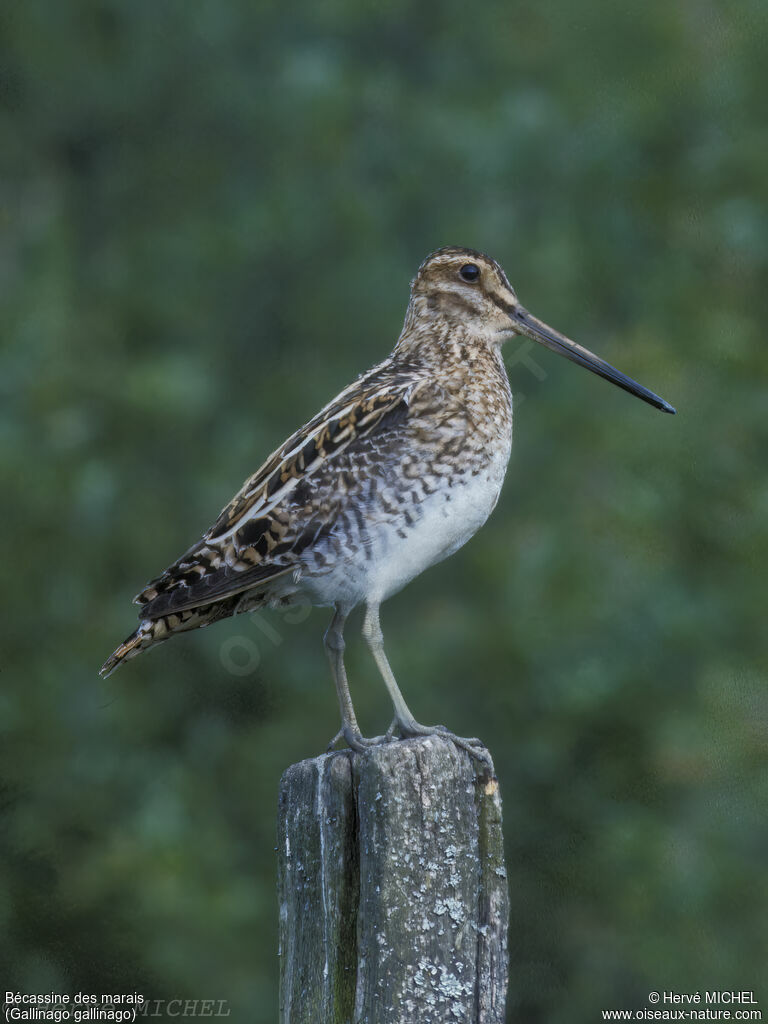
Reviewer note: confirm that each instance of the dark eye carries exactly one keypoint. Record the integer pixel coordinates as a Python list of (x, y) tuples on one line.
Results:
[(469, 272)]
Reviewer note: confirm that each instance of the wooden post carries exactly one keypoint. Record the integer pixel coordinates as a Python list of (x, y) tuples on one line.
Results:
[(392, 888)]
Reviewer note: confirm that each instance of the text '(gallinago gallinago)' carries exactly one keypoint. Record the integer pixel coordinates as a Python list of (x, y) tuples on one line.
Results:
[(393, 475)]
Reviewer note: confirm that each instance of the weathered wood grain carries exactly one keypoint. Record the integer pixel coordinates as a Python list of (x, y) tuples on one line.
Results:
[(392, 887)]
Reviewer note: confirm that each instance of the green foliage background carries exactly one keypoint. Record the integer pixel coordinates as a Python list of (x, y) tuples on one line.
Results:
[(210, 215)]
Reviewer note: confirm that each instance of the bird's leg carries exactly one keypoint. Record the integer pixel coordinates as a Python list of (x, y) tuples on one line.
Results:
[(334, 646), (404, 720)]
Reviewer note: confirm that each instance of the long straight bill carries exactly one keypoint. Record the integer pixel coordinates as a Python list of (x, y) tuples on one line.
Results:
[(538, 331)]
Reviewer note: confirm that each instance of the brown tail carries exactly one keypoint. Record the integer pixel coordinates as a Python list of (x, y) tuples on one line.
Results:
[(144, 637), (154, 631)]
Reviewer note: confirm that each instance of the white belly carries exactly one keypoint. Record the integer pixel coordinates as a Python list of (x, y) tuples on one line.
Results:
[(447, 522), (392, 551)]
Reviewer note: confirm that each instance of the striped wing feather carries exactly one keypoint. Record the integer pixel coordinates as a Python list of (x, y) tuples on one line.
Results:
[(255, 538)]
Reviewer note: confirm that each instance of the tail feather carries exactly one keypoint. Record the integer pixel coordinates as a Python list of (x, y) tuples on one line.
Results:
[(154, 631), (143, 638)]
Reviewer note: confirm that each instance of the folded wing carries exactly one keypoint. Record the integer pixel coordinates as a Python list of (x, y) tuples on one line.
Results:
[(260, 534)]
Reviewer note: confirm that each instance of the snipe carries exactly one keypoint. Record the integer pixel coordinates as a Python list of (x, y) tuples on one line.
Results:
[(393, 475)]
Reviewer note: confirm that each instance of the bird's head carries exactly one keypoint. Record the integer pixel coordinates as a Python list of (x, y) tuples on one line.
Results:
[(462, 290), (467, 289)]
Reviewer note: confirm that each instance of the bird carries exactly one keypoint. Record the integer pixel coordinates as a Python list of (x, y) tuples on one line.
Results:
[(393, 475)]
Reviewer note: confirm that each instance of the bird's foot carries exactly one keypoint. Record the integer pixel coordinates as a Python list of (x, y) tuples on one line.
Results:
[(336, 739), (355, 739), (408, 728), (473, 746)]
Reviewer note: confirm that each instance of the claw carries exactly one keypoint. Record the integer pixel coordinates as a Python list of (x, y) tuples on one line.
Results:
[(332, 745), (357, 742), (473, 746), (361, 743)]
